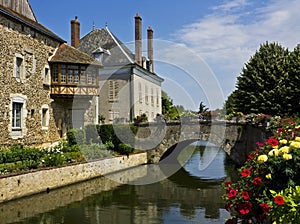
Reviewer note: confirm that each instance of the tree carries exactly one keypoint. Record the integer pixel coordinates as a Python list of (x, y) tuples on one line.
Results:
[(259, 87), (291, 86), (202, 108), (168, 109)]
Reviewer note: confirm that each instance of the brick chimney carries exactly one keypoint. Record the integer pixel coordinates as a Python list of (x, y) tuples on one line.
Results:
[(75, 32), (138, 39), (150, 47)]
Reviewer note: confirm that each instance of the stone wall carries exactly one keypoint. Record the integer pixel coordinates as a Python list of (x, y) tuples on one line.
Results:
[(14, 187), (17, 40), (236, 139)]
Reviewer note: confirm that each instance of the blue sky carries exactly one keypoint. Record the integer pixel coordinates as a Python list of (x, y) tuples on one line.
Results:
[(201, 46)]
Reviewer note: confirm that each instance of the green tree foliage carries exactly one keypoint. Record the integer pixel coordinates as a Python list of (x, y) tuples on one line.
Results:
[(292, 84), (168, 109), (269, 82)]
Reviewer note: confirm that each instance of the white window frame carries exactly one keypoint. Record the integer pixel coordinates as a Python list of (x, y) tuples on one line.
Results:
[(21, 68), (17, 115), (18, 131), (46, 75), (45, 117)]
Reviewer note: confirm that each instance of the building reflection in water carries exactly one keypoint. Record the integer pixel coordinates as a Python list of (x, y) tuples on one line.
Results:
[(182, 198)]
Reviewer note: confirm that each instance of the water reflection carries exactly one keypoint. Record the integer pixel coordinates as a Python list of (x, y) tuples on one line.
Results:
[(210, 164), (185, 197)]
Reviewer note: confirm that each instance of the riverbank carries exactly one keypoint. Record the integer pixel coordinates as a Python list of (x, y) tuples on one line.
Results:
[(18, 186)]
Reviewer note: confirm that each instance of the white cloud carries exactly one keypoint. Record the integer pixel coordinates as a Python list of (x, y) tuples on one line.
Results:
[(232, 33), (232, 5)]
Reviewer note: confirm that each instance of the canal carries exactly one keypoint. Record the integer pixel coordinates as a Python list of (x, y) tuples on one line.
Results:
[(190, 195)]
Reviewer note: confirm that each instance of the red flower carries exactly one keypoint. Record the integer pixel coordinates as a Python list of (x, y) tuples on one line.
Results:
[(259, 144), (227, 207), (279, 200), (231, 194), (273, 142), (246, 172), (280, 130), (228, 184), (265, 207), (245, 195), (244, 208), (257, 181)]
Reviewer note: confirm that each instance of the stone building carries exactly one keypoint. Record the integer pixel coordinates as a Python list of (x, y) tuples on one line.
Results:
[(35, 107), (128, 86)]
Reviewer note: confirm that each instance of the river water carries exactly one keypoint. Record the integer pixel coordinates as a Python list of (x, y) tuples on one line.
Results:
[(191, 195)]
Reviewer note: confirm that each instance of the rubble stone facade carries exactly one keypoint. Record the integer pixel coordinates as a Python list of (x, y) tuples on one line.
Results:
[(25, 104)]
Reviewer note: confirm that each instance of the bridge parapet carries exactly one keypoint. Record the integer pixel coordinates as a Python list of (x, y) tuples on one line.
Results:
[(236, 139)]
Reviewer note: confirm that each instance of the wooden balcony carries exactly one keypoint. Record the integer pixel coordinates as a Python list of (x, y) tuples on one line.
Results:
[(71, 81)]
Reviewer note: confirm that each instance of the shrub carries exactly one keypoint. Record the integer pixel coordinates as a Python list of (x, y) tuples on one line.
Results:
[(287, 211), (125, 149), (273, 167), (76, 136), (105, 132), (91, 134)]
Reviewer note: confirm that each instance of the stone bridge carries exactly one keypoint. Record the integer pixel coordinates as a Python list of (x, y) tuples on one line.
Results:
[(162, 140)]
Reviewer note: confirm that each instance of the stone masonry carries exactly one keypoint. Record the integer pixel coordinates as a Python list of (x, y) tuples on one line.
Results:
[(19, 40)]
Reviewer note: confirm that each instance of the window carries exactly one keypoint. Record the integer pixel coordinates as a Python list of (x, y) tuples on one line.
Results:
[(146, 95), (152, 97), (113, 87), (91, 76), (140, 93), (19, 69), (76, 76), (17, 115), (63, 73), (45, 117), (113, 115), (54, 73), (157, 97), (46, 75), (82, 75), (70, 76)]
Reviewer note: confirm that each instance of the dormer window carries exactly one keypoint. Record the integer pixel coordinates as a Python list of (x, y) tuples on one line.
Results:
[(100, 54)]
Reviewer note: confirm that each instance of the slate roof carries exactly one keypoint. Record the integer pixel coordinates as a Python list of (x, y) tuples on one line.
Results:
[(68, 54), (104, 39), (31, 22)]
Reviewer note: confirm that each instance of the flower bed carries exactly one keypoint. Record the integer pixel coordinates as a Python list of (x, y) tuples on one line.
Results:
[(268, 190)]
